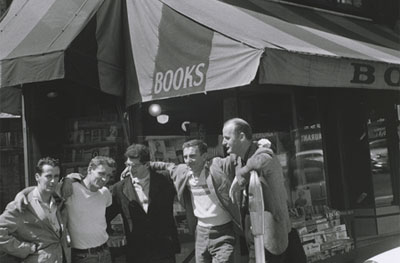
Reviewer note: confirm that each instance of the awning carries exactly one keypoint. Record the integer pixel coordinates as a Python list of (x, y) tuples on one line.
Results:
[(193, 46), (80, 40)]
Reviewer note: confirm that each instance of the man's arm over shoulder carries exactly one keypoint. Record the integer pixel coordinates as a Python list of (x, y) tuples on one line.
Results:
[(9, 222), (163, 166), (175, 171), (21, 199)]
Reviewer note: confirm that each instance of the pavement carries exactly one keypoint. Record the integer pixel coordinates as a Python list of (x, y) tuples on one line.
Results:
[(366, 248)]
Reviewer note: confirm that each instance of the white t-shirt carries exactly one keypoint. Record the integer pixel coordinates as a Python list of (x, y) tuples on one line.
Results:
[(87, 216)]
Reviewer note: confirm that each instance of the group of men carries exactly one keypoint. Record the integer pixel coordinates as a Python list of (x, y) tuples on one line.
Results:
[(50, 227)]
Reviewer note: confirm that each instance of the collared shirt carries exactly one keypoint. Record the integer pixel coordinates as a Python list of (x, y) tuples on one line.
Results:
[(50, 210), (142, 188)]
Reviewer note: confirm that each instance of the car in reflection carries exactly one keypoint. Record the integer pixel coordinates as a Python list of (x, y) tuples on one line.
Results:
[(379, 156), (309, 173), (390, 256)]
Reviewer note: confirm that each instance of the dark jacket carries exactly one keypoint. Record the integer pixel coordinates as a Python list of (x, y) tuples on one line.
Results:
[(149, 235)]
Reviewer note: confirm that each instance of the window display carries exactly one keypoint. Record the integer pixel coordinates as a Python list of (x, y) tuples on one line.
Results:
[(11, 158)]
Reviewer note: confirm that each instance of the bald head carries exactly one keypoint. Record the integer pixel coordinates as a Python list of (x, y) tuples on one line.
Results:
[(239, 125), (237, 136)]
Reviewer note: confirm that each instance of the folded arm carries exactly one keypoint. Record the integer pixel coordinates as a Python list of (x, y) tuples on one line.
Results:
[(9, 222)]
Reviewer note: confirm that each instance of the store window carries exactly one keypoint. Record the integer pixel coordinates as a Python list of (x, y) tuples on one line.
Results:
[(291, 123), (378, 124), (11, 158), (309, 182)]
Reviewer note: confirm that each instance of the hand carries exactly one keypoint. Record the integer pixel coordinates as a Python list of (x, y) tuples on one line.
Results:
[(75, 176), (20, 201), (125, 173), (264, 143), (66, 188)]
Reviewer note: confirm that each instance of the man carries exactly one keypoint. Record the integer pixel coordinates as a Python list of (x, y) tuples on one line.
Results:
[(145, 200), (237, 138), (38, 232), (86, 208), (86, 213), (203, 190)]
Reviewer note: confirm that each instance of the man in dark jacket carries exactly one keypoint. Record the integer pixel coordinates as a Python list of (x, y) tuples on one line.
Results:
[(203, 190), (145, 201)]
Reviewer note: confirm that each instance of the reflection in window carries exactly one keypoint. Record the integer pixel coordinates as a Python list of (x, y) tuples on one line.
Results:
[(308, 167), (380, 167)]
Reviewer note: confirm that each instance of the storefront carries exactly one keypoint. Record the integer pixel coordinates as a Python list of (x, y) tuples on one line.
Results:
[(326, 93), (322, 87)]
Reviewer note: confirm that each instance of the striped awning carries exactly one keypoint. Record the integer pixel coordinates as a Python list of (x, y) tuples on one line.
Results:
[(80, 40), (193, 46)]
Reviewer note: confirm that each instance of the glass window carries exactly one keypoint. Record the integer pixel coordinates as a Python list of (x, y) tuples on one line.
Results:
[(379, 155), (307, 163), (292, 124)]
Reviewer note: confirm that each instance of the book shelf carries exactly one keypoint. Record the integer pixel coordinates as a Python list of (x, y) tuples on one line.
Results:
[(89, 137), (11, 160)]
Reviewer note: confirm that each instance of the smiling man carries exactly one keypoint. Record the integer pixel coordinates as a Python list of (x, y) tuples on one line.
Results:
[(86, 213), (37, 233), (203, 188)]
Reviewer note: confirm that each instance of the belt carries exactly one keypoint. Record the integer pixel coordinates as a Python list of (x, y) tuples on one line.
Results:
[(92, 250)]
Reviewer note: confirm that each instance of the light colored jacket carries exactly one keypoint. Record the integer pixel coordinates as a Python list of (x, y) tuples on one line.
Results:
[(20, 230), (277, 223), (219, 179)]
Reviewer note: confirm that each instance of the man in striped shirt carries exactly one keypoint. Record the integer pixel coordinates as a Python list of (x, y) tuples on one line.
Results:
[(203, 189)]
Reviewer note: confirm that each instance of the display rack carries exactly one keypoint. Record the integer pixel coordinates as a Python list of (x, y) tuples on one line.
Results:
[(321, 231), (89, 137)]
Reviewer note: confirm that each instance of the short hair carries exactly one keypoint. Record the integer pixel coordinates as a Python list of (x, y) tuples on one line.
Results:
[(138, 151), (111, 162), (100, 160), (46, 161), (241, 125), (201, 145)]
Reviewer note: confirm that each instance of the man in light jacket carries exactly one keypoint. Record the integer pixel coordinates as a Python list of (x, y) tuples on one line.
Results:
[(37, 233), (237, 138)]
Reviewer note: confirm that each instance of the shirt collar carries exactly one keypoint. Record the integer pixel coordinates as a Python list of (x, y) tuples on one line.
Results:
[(141, 181), (36, 195)]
